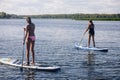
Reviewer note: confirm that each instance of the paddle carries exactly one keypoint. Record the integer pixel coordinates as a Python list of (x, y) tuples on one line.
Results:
[(82, 38), (22, 52)]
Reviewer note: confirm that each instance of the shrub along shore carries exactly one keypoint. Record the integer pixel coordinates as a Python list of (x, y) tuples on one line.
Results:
[(78, 16)]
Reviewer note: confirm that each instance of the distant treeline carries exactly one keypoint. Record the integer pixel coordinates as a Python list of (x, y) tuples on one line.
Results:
[(4, 15), (78, 16), (81, 16)]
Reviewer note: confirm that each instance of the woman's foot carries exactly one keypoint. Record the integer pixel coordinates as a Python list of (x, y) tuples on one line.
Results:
[(32, 63), (26, 64)]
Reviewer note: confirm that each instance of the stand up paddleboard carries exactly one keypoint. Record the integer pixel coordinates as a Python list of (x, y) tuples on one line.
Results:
[(17, 63), (91, 48)]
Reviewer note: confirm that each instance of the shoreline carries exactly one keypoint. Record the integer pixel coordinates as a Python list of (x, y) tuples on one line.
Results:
[(100, 19), (75, 16)]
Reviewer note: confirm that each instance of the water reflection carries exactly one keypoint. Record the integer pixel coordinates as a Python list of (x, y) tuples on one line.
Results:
[(93, 74), (91, 58), (91, 63), (29, 75)]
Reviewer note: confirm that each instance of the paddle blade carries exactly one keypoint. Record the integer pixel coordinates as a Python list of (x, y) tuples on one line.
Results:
[(21, 69)]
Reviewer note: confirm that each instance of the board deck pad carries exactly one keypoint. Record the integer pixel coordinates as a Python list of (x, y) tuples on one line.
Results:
[(18, 63)]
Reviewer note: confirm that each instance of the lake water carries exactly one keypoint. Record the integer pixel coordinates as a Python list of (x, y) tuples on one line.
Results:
[(55, 39)]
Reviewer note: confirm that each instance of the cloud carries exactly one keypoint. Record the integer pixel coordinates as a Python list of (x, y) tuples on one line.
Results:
[(30, 7)]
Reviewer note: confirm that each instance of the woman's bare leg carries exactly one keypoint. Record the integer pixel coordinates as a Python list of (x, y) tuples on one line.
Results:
[(27, 51), (93, 40), (89, 40), (32, 50)]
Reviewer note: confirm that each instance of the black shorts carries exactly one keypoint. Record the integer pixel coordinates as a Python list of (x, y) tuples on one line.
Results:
[(91, 32)]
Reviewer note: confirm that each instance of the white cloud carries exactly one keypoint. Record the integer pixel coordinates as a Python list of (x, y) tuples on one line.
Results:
[(59, 6)]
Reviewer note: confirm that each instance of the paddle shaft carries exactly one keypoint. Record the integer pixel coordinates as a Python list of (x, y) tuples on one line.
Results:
[(23, 51), (82, 38)]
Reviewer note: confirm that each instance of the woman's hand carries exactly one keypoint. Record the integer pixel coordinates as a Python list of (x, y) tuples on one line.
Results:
[(24, 29)]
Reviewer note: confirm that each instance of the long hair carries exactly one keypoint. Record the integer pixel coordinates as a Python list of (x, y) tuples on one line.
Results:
[(28, 20)]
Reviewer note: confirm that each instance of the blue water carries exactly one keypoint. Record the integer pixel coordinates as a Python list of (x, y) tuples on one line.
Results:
[(55, 39)]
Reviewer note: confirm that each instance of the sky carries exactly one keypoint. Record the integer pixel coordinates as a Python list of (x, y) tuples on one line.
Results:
[(36, 7)]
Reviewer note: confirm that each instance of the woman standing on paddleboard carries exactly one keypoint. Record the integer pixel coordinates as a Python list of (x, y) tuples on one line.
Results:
[(30, 40), (90, 28)]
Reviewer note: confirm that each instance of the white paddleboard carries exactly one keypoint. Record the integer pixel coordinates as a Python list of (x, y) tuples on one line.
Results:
[(91, 48), (17, 63)]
